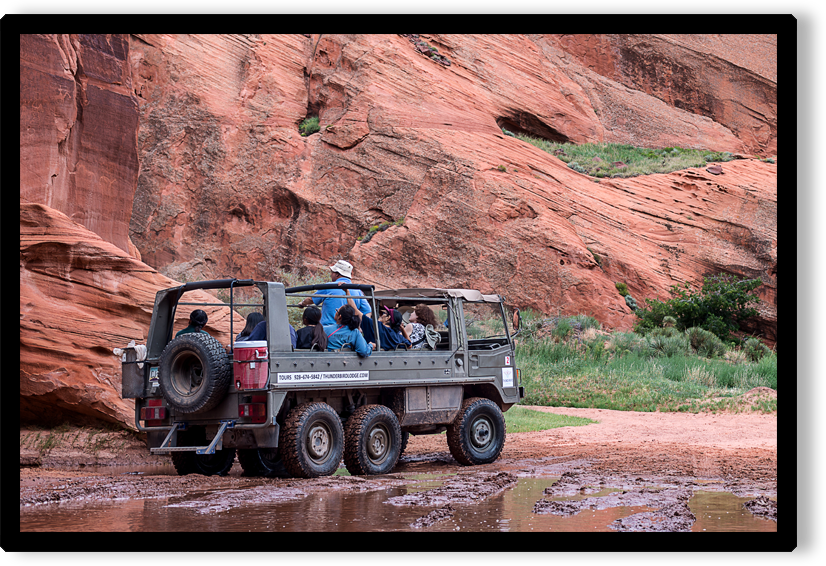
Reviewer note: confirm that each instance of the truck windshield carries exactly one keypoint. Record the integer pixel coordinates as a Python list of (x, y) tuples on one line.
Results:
[(484, 321)]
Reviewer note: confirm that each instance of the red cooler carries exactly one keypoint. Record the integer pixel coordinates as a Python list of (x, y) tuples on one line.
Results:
[(252, 371)]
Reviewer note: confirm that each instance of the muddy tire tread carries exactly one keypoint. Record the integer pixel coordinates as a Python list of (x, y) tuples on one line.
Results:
[(355, 458), (253, 466), (291, 437), (188, 463), (405, 439), (457, 439)]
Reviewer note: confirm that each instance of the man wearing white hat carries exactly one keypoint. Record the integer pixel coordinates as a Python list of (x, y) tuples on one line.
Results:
[(340, 273)]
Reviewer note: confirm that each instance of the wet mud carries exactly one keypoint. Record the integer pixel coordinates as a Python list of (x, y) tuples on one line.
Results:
[(618, 478), (762, 507), (669, 505), (464, 489), (461, 489)]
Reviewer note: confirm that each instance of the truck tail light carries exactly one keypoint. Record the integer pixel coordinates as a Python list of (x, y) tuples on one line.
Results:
[(518, 377), (153, 411), (254, 407)]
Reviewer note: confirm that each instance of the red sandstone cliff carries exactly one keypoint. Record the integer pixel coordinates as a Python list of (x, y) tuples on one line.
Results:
[(78, 130), (228, 186), (203, 131), (80, 297)]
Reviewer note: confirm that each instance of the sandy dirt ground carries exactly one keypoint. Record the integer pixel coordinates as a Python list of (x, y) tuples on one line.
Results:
[(704, 445), (626, 451)]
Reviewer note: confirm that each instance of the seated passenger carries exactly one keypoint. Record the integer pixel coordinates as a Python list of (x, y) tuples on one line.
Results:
[(260, 333), (312, 333), (391, 331), (252, 321), (421, 317), (346, 331), (197, 320), (339, 273)]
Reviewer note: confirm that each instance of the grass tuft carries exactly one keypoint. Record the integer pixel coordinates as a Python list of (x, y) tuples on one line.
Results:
[(622, 160), (520, 419), (588, 367)]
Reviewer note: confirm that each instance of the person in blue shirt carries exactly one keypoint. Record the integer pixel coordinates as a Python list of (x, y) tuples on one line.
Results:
[(260, 333), (345, 330), (340, 273), (392, 332)]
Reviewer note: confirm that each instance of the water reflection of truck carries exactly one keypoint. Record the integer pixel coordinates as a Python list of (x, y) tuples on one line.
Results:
[(288, 412)]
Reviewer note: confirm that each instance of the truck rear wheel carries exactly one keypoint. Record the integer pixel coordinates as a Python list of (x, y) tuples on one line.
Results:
[(477, 435), (373, 441), (194, 373), (312, 441), (266, 462), (217, 464)]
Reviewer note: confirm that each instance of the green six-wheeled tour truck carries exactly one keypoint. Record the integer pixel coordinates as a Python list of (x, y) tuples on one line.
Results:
[(291, 412)]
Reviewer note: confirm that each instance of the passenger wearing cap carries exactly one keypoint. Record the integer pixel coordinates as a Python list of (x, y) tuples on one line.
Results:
[(340, 273), (197, 321)]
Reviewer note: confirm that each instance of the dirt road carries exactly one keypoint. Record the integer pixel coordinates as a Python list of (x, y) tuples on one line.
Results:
[(623, 451), (704, 445)]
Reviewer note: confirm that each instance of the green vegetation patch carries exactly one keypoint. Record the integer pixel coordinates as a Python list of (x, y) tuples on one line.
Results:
[(309, 126), (632, 373), (520, 419), (571, 362), (623, 160)]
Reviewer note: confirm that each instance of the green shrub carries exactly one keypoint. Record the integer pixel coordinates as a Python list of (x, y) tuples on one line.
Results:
[(720, 306), (581, 322), (576, 167), (705, 343), (595, 349), (667, 346), (502, 168), (625, 342), (669, 322), (622, 288), (562, 330), (755, 349), (309, 126), (664, 331)]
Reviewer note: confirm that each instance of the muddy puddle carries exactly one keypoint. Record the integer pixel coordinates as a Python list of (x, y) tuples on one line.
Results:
[(495, 501)]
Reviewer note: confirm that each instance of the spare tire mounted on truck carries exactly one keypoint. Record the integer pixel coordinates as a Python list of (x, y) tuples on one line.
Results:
[(194, 373)]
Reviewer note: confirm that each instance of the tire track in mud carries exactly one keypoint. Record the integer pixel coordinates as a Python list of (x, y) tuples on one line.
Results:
[(464, 489), (666, 500)]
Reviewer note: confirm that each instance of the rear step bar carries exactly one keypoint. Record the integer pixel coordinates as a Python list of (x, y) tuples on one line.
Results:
[(216, 444)]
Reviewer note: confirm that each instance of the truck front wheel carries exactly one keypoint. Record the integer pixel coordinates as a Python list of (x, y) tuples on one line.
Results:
[(477, 435)]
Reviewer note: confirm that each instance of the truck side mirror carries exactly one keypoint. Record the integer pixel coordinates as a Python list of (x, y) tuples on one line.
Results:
[(517, 322)]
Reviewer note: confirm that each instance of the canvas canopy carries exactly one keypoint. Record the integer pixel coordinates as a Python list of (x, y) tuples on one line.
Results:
[(467, 294)]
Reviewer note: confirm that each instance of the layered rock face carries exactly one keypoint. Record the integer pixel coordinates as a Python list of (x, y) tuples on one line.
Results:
[(78, 130), (228, 187), (80, 297), (203, 130), (731, 80)]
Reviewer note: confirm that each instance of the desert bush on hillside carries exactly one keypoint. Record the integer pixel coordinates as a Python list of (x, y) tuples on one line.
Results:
[(309, 126), (705, 343), (667, 346), (721, 305), (755, 349)]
